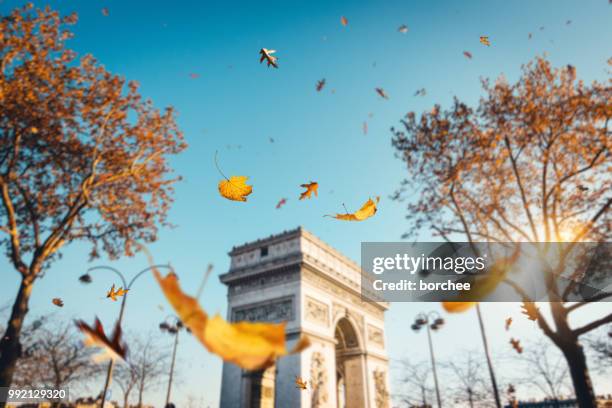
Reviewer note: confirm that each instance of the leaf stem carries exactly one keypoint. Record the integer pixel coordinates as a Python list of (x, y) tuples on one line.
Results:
[(217, 166)]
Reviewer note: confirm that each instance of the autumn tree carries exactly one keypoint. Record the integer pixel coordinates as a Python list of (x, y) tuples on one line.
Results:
[(82, 157), (415, 384), (531, 163), (149, 363), (545, 370), (470, 387), (600, 345), (145, 368), (53, 356)]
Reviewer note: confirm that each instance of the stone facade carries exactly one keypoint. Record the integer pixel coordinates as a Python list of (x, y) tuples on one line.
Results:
[(297, 278)]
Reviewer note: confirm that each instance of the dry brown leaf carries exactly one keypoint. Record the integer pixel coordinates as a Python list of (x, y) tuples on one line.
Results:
[(300, 383), (382, 93), (320, 85), (57, 302), (516, 345), (112, 348), (281, 202), (312, 187), (266, 55), (530, 310)]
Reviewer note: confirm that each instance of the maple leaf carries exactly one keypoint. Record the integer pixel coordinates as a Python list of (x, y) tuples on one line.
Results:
[(382, 93), (235, 187), (113, 294), (251, 346), (320, 85), (105, 12), (403, 29), (467, 54), (57, 302), (343, 21), (530, 310), (266, 55), (312, 187), (300, 383), (508, 323), (516, 345), (281, 202), (366, 211), (112, 348), (485, 40)]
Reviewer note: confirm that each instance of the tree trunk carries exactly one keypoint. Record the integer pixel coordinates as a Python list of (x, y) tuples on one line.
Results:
[(576, 360), (10, 347), (140, 392)]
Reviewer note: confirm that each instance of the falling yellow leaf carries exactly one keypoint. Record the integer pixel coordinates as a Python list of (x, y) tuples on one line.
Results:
[(365, 212), (252, 346), (485, 40), (113, 294), (235, 188), (312, 187), (343, 21)]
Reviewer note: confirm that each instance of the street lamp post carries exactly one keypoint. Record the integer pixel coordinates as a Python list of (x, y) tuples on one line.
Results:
[(174, 330), (488, 355), (127, 285), (432, 321)]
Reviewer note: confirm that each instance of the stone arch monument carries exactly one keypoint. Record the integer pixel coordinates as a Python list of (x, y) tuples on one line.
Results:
[(296, 277)]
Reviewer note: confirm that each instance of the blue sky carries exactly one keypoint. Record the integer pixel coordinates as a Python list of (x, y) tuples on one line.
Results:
[(236, 105)]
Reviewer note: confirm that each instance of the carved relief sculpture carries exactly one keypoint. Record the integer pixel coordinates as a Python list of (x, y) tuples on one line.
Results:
[(317, 312), (318, 380), (380, 385), (375, 335), (273, 311)]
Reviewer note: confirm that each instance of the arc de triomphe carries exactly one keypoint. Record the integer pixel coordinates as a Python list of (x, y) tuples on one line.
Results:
[(296, 277)]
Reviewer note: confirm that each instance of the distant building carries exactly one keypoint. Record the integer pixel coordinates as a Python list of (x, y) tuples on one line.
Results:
[(297, 278)]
